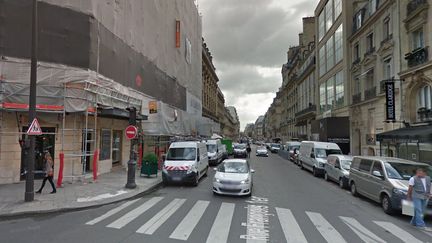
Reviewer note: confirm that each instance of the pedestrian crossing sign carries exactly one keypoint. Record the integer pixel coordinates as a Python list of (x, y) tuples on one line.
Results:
[(35, 128)]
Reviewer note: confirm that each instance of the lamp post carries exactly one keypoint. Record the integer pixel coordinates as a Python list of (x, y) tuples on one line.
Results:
[(133, 156), (29, 188)]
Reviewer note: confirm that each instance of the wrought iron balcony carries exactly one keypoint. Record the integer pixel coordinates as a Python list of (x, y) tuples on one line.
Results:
[(370, 93), (424, 114), (356, 98), (310, 109), (417, 57), (415, 4)]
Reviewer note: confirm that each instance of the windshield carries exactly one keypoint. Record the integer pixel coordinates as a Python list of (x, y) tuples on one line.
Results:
[(233, 167), (402, 171), (323, 153), (211, 148), (291, 148), (262, 148), (181, 154), (275, 145), (346, 164), (240, 146)]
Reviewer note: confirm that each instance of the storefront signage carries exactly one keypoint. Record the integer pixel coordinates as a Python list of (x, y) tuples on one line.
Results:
[(390, 101)]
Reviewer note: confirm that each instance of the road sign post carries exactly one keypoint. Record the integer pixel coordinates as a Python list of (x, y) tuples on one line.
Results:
[(131, 133)]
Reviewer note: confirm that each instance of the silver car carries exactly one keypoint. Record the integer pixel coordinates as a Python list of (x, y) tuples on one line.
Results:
[(262, 151), (233, 177), (384, 180), (337, 169)]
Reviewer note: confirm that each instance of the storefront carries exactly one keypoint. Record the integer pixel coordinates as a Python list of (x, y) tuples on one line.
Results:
[(334, 130)]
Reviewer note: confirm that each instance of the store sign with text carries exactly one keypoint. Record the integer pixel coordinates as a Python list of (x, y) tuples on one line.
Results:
[(390, 102)]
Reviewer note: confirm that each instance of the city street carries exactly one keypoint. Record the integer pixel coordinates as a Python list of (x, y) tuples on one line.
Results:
[(288, 205)]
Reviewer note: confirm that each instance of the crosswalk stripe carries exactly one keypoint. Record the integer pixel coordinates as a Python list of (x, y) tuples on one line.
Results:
[(222, 224), (187, 225), (397, 231), (111, 212), (127, 218), (154, 223), (364, 234), (325, 228), (290, 227)]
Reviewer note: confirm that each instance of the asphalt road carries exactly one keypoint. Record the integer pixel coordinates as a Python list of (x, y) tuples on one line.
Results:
[(288, 205)]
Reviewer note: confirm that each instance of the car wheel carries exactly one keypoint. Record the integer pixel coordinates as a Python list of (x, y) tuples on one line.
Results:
[(386, 204), (354, 189), (341, 183), (196, 182), (314, 172)]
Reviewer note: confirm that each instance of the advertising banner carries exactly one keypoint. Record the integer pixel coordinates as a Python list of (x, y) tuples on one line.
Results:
[(390, 102)]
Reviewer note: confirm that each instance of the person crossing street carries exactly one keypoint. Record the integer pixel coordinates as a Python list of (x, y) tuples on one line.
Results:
[(419, 192)]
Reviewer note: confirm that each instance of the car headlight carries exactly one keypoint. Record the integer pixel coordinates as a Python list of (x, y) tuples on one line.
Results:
[(216, 180), (245, 181), (321, 164), (400, 191)]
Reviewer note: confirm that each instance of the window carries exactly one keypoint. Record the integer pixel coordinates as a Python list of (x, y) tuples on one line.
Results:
[(329, 14), (337, 8), (417, 39), (322, 97), (357, 85), (358, 19), (386, 28), (340, 91), (365, 165), (321, 25), (116, 146), (424, 97), (373, 4), (369, 43), (378, 167), (356, 52), (370, 79), (322, 61), (387, 68), (339, 44), (330, 93), (330, 53), (105, 144)]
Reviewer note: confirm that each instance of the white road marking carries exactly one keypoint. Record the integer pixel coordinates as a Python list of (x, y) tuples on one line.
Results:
[(111, 212), (222, 224), (325, 228), (187, 225), (290, 227), (154, 223), (257, 224), (397, 231), (363, 233), (127, 218), (100, 197)]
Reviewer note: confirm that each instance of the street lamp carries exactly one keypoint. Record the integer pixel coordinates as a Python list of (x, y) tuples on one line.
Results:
[(29, 188), (133, 156)]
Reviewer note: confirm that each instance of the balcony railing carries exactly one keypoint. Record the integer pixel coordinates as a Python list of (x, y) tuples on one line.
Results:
[(356, 98), (370, 93), (415, 4), (311, 108), (424, 114), (417, 57), (369, 51)]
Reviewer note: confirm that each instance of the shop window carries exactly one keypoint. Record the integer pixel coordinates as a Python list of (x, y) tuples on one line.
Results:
[(116, 147), (105, 144)]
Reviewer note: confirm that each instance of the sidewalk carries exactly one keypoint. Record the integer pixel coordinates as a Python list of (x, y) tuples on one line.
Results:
[(109, 188)]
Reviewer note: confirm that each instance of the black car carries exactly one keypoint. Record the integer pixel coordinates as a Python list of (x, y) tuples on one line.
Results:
[(240, 150)]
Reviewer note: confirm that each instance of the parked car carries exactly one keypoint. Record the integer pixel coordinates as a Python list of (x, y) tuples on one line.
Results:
[(337, 169), (224, 152), (186, 162), (262, 151), (268, 145), (384, 180), (214, 151), (233, 177), (313, 155), (275, 147), (240, 150), (293, 148)]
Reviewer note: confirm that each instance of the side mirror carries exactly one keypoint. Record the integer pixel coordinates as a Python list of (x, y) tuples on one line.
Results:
[(252, 171), (312, 155), (377, 174)]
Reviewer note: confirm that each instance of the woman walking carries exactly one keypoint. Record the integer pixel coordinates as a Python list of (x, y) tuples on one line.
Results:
[(49, 173)]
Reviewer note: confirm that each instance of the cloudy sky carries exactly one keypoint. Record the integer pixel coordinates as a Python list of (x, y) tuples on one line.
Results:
[(249, 40)]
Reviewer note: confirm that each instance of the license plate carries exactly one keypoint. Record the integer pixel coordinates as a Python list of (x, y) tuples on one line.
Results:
[(176, 179)]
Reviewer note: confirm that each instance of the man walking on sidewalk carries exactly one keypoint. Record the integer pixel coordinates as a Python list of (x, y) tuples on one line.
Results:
[(419, 192)]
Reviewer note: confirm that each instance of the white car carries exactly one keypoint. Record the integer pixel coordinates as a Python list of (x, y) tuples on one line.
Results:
[(233, 177), (261, 151)]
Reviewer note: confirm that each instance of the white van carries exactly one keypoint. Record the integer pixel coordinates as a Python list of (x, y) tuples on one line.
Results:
[(214, 151), (313, 155), (186, 162)]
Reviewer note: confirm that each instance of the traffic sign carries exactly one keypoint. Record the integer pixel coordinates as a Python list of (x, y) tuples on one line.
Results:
[(35, 128), (131, 132)]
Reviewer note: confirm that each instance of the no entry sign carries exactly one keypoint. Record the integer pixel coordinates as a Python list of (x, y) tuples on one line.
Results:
[(131, 132)]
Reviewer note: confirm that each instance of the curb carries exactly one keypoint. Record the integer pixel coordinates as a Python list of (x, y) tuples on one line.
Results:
[(75, 209)]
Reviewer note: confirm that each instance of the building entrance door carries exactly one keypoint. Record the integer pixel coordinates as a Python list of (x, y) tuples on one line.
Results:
[(44, 143)]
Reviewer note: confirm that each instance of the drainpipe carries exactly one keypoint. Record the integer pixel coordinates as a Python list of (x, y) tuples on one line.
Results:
[(400, 63)]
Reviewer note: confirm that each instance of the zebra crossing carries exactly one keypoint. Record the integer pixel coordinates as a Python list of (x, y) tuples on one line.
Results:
[(122, 215)]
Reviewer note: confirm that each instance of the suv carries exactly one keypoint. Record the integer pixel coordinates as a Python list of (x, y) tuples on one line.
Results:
[(384, 180)]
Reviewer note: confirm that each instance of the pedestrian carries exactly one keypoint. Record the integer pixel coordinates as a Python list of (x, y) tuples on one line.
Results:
[(419, 192), (248, 150), (49, 173)]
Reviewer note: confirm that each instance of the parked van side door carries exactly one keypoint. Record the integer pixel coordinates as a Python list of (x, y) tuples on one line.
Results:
[(364, 175), (377, 181)]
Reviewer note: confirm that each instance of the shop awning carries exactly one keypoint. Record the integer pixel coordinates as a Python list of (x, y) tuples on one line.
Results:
[(421, 134)]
